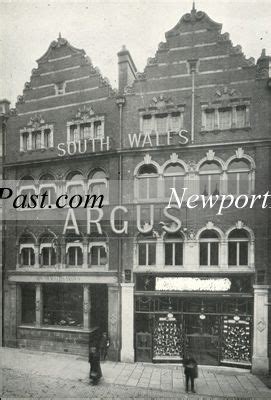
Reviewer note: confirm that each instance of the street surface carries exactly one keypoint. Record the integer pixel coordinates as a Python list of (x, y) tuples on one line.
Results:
[(50, 376)]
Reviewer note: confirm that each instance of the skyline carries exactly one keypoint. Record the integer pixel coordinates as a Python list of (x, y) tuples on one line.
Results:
[(88, 25)]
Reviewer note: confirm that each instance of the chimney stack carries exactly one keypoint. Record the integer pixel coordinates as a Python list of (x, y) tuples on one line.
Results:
[(127, 69)]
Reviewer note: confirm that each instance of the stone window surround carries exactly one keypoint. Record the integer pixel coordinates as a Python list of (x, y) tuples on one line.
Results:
[(86, 308), (84, 245), (90, 120), (192, 175), (191, 249), (215, 107), (31, 131), (154, 112)]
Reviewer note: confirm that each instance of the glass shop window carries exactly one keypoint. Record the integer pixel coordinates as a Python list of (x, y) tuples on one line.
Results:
[(28, 293), (63, 305)]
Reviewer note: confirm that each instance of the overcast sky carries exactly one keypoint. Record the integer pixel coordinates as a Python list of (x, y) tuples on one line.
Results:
[(102, 27)]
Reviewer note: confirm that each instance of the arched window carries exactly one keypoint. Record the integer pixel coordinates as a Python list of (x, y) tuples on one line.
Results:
[(27, 186), (47, 250), (209, 248), (173, 250), (239, 177), (98, 251), (98, 184), (174, 178), (47, 185), (209, 174), (26, 249), (74, 251), (75, 184), (147, 181), (238, 246), (146, 251)]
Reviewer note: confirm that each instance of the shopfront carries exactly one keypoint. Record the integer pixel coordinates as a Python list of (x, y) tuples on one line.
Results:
[(208, 317)]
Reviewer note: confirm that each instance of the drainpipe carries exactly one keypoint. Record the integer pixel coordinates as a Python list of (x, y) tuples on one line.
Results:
[(193, 69), (120, 103)]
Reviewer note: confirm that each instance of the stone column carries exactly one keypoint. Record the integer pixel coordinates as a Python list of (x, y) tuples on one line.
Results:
[(127, 322), (114, 321), (39, 305), (260, 360), (86, 306), (85, 253), (36, 254)]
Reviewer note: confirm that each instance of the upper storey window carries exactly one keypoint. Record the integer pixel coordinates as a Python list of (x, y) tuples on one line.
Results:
[(147, 182), (210, 176), (161, 116), (36, 135), (228, 110), (86, 125)]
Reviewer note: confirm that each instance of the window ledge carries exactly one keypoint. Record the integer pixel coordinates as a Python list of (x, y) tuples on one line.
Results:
[(57, 328), (220, 130)]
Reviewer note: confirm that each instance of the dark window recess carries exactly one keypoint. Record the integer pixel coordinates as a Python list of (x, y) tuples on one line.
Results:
[(63, 305), (28, 304)]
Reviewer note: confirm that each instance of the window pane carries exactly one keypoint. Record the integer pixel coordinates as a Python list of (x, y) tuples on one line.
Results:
[(161, 124), (178, 254), (175, 123), (224, 119), (210, 120), (243, 253), (32, 257), (214, 254), (142, 254), (240, 117), (28, 304), (142, 188), (152, 255), (147, 124), (152, 188), (232, 183), (63, 305), (79, 256), (215, 184), (45, 256), (203, 253), (94, 255), (168, 254), (103, 256), (168, 184), (71, 256), (204, 185), (98, 133), (243, 182), (232, 253)]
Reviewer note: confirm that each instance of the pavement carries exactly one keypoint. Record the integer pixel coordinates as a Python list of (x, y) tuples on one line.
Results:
[(40, 375)]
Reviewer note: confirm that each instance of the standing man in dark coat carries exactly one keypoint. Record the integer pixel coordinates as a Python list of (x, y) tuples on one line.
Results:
[(95, 372), (104, 344), (190, 371)]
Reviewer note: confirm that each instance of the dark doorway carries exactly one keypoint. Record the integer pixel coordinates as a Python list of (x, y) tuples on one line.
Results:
[(99, 307), (202, 338)]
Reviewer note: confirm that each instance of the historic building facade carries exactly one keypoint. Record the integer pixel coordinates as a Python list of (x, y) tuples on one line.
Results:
[(161, 281)]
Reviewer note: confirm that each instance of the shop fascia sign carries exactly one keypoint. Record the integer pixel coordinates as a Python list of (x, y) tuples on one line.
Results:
[(193, 284), (136, 140)]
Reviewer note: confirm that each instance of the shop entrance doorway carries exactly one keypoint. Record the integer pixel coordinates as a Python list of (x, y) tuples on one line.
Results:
[(217, 331), (203, 338)]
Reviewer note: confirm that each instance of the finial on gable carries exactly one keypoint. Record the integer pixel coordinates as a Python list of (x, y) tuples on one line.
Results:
[(193, 6)]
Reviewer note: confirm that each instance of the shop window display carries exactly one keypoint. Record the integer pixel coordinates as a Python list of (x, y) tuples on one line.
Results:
[(28, 293), (63, 305)]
